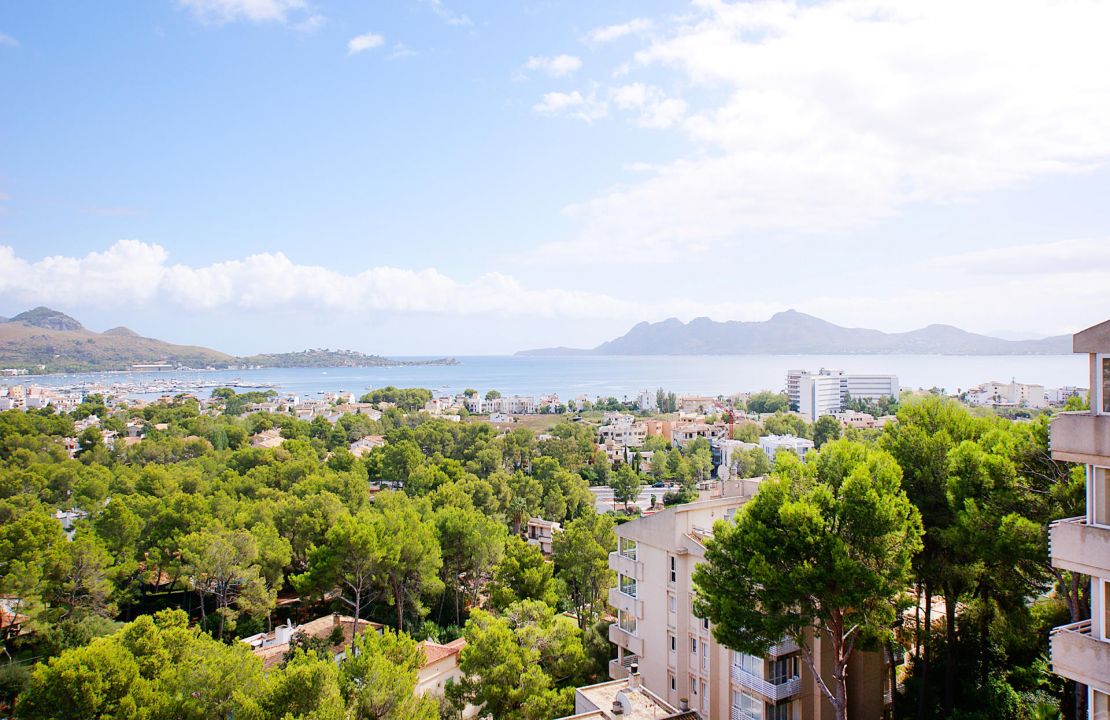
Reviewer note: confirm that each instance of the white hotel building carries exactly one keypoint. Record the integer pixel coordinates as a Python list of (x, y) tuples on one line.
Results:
[(825, 392)]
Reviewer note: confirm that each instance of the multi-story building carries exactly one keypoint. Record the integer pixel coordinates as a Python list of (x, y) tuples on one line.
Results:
[(1081, 650), (772, 444), (1011, 393), (679, 660), (623, 434), (825, 392)]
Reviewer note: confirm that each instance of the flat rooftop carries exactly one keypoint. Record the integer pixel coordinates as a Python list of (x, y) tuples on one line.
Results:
[(643, 704)]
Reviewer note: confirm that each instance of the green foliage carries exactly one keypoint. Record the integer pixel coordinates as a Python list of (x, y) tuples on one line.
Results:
[(410, 399), (784, 423), (581, 553), (826, 545), (766, 401), (626, 484), (825, 429), (522, 574)]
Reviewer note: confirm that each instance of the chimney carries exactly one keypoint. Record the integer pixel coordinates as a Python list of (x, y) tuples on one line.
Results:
[(617, 709), (683, 704), (634, 676)]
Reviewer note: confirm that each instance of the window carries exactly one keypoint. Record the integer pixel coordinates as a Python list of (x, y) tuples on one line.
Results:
[(1104, 405), (749, 707), (781, 670), (674, 569), (779, 712), (674, 642), (674, 683), (626, 621), (1100, 486), (693, 685), (628, 548), (694, 645), (672, 603), (1100, 705), (628, 585), (705, 623), (748, 663), (1105, 610)]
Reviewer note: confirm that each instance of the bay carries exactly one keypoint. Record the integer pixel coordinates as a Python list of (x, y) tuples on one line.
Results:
[(619, 376)]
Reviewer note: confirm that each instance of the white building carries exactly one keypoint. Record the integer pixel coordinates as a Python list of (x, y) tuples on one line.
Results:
[(826, 391), (771, 444), (1013, 394)]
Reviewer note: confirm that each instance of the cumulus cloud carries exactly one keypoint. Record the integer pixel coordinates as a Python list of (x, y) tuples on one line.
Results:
[(573, 104), (446, 14), (610, 33), (225, 11), (556, 67), (825, 117), (655, 109), (361, 43), (131, 271)]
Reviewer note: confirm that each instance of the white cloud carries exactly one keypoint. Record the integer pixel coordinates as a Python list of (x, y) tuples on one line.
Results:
[(610, 33), (400, 50), (655, 109), (557, 66), (572, 104), (361, 43), (446, 14), (311, 24), (825, 117), (8, 41), (135, 272), (1062, 257), (224, 11)]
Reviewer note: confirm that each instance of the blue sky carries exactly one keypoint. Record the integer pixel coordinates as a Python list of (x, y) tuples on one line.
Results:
[(455, 177)]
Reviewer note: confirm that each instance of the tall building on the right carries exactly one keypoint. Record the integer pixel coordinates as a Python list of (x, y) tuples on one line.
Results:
[(826, 391), (1081, 650)]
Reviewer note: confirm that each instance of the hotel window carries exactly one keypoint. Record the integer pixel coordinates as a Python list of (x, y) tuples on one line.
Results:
[(750, 707), (1100, 705), (672, 603), (694, 645), (674, 683), (693, 685), (626, 621), (779, 712), (705, 623), (1100, 490), (674, 642), (1104, 363), (628, 548), (674, 569), (781, 670), (748, 663), (628, 585)]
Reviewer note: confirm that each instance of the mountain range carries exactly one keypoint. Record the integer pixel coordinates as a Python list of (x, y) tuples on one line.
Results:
[(50, 341), (795, 333)]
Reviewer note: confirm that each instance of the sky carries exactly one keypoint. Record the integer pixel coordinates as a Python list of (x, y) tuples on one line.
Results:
[(432, 177)]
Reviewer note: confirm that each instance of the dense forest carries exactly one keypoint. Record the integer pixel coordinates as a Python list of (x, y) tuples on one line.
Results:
[(192, 538)]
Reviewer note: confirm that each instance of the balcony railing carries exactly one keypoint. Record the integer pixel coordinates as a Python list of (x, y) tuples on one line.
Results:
[(766, 688), (629, 642), (738, 714), (1078, 655), (1075, 545), (618, 667), (624, 565), (785, 647)]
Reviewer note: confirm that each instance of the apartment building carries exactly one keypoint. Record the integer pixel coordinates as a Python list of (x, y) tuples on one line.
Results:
[(1081, 651), (825, 392), (678, 659), (774, 444), (1008, 394)]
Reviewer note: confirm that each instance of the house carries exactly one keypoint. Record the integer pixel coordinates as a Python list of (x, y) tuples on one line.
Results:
[(542, 532), (339, 629), (625, 699), (12, 621), (364, 445), (500, 418), (267, 439), (683, 432), (772, 444)]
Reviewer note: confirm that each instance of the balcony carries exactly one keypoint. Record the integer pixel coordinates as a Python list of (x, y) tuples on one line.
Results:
[(785, 647), (1081, 437), (1074, 545), (629, 642), (772, 691), (629, 604), (1079, 656), (626, 566), (618, 668)]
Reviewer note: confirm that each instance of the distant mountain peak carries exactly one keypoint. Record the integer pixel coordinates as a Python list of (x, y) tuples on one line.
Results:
[(47, 319), (791, 332), (121, 331)]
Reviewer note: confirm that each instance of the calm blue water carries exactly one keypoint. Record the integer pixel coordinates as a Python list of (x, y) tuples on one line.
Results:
[(626, 376)]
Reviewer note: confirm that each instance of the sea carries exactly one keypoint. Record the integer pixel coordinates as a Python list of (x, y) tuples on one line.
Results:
[(616, 376)]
